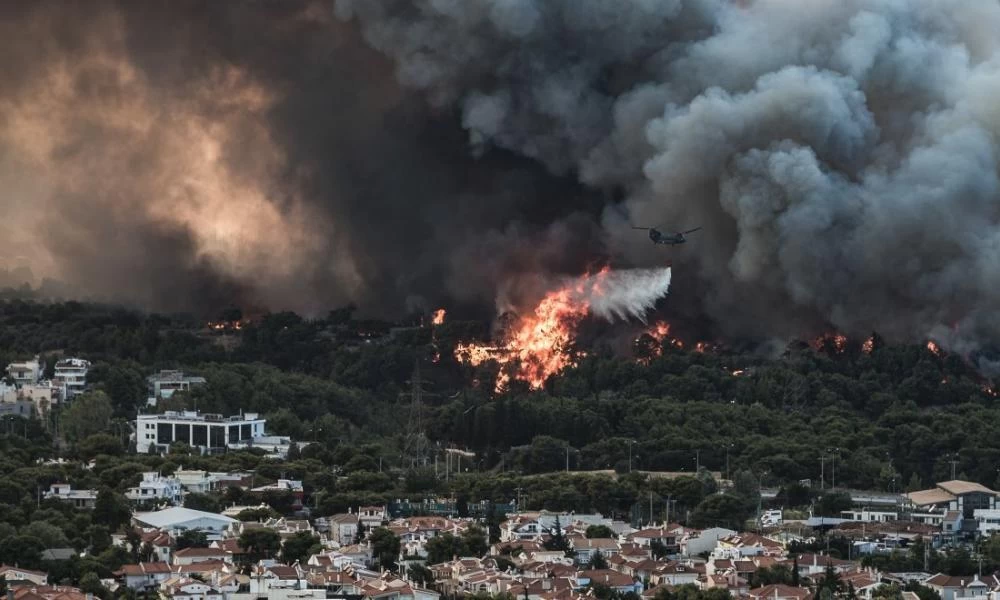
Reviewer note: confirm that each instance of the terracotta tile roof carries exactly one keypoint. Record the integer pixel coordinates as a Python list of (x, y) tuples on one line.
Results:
[(779, 591), (199, 552), (284, 572), (48, 592), (147, 568), (607, 577)]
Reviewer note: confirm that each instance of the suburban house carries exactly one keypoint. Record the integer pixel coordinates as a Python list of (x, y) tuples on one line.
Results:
[(780, 592), (371, 517), (71, 375), (25, 373), (953, 506), (343, 528), (695, 542), (747, 544), (18, 575), (155, 488), (618, 582), (586, 548), (667, 536), (79, 498), (955, 588), (145, 575)]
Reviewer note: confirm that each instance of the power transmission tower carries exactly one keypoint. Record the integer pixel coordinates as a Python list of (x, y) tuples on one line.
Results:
[(416, 446)]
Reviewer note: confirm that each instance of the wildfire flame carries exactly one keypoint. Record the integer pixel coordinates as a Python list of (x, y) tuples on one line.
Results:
[(934, 348), (869, 346), (438, 318), (226, 325), (836, 341), (539, 345)]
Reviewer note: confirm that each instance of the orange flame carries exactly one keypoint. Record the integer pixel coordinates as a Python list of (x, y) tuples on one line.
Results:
[(988, 390), (538, 345), (934, 348), (438, 318), (837, 341), (660, 332), (869, 346)]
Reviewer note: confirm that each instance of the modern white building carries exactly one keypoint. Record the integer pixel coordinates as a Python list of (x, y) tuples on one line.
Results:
[(207, 432), (71, 374), (66, 493), (155, 488), (25, 373), (177, 520), (165, 383)]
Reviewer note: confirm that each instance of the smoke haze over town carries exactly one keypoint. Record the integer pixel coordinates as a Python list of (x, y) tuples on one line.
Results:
[(841, 155)]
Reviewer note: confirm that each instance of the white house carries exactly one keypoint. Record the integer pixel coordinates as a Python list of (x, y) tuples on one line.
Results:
[(694, 543), (343, 528), (66, 493), (155, 488), (586, 548), (25, 373), (145, 575), (71, 374), (177, 519), (16, 574), (371, 517)]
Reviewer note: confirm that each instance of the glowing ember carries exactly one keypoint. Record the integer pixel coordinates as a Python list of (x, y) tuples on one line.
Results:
[(989, 391), (934, 348), (438, 318), (868, 346), (539, 345), (738, 373), (834, 341), (226, 325)]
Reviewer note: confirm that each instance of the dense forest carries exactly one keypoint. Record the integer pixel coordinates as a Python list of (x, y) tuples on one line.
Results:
[(881, 417)]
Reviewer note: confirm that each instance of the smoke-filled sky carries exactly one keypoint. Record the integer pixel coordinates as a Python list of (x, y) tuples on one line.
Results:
[(841, 155)]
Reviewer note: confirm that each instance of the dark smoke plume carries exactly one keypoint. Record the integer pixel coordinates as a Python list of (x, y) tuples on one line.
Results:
[(841, 154), (195, 154)]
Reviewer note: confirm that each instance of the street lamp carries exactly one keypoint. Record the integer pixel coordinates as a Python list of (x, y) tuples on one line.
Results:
[(630, 442)]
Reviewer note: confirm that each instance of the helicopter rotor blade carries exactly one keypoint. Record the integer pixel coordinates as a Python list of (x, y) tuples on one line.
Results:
[(691, 230), (646, 228)]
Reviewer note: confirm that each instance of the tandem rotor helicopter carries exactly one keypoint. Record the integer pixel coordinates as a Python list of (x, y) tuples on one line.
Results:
[(667, 239)]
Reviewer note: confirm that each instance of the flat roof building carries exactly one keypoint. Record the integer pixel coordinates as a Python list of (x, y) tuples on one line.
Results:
[(206, 432), (71, 374)]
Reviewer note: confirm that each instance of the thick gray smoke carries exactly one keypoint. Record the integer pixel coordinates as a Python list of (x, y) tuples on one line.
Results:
[(190, 154), (841, 154)]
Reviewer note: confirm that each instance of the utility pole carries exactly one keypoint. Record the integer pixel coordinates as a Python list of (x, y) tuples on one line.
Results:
[(567, 458), (822, 472), (650, 509), (728, 446), (954, 463), (630, 442), (697, 461), (833, 472)]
